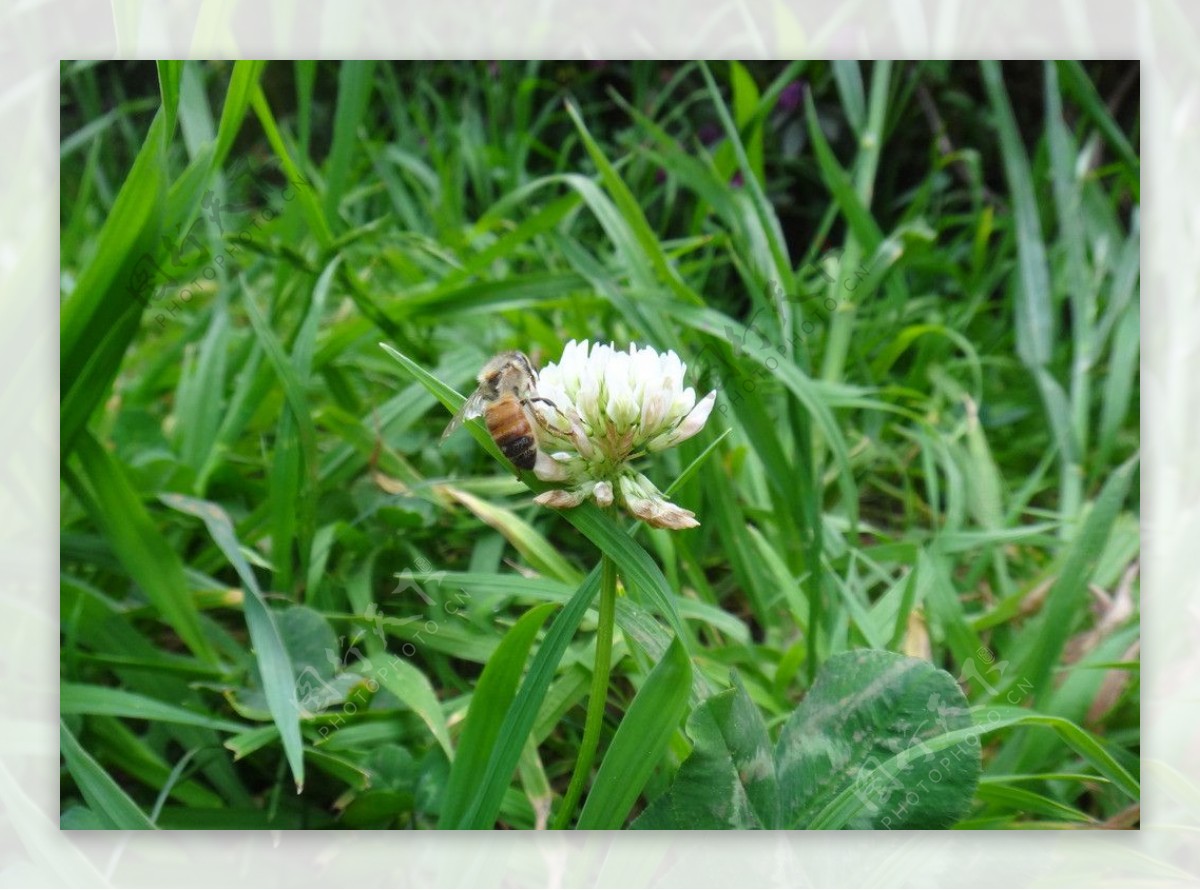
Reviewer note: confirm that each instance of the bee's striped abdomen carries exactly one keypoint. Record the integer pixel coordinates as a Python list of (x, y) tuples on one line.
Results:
[(510, 430)]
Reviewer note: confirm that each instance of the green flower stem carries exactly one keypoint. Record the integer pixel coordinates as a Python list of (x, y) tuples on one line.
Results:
[(599, 694)]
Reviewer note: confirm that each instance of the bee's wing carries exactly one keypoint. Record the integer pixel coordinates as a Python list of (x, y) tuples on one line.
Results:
[(472, 407)]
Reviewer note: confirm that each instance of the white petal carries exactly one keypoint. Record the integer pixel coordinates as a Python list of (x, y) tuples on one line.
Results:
[(603, 493), (560, 500), (621, 409), (672, 369), (587, 400), (647, 503), (631, 492), (655, 405), (670, 516), (688, 427), (549, 469)]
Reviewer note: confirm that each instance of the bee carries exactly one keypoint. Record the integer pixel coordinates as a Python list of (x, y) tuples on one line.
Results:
[(507, 388)]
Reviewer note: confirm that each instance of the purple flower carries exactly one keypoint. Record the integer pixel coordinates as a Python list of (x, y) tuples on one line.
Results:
[(708, 133), (738, 181), (790, 96)]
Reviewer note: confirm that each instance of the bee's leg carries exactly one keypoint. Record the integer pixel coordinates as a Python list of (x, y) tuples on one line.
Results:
[(566, 434)]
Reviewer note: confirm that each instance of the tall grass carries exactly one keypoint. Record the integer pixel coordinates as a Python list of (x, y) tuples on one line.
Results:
[(915, 286)]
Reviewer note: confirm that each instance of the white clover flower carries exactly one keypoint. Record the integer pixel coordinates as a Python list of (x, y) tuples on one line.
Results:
[(610, 408)]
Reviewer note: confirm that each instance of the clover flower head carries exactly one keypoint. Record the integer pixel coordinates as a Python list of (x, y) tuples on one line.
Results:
[(602, 408)]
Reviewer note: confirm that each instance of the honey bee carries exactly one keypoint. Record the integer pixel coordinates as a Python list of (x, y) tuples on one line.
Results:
[(507, 388)]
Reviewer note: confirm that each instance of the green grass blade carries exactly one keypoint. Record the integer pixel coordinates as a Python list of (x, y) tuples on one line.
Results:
[(1034, 308), (412, 687), (633, 217), (858, 216), (1081, 87), (1029, 802), (170, 76), (520, 718), (529, 542), (745, 105), (355, 80), (294, 472), (274, 663), (84, 698), (101, 315), (1120, 384), (99, 789), (1079, 740), (490, 702), (653, 717), (758, 199), (1068, 598), (637, 570), (242, 84), (147, 556)]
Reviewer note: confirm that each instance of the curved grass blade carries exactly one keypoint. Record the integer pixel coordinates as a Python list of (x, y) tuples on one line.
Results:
[(529, 542), (449, 398), (101, 315), (98, 788), (1034, 306), (634, 218), (274, 663)]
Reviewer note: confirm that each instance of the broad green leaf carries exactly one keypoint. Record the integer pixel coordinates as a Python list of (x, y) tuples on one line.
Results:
[(311, 642), (728, 781), (865, 708)]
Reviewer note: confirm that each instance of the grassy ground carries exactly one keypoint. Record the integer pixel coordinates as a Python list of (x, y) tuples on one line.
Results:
[(914, 285)]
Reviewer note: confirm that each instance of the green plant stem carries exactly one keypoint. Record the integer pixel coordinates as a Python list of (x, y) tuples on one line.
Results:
[(599, 694)]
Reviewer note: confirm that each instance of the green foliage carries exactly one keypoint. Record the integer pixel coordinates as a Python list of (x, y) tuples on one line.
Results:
[(914, 285), (856, 732)]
